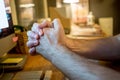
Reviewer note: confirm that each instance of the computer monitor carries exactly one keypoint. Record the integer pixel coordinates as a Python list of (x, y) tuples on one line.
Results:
[(8, 41), (7, 36)]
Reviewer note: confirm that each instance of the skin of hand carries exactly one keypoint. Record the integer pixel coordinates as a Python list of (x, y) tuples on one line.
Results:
[(33, 37), (45, 37)]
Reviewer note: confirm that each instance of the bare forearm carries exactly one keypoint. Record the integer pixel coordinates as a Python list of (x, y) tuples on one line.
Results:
[(103, 49), (79, 68)]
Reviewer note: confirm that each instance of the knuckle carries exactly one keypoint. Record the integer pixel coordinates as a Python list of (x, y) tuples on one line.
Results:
[(32, 50), (28, 44), (28, 33), (35, 26)]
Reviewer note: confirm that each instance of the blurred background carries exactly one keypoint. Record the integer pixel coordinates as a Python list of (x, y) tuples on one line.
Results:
[(75, 15)]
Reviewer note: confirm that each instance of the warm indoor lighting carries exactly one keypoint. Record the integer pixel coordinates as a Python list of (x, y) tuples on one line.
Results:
[(26, 5), (70, 1)]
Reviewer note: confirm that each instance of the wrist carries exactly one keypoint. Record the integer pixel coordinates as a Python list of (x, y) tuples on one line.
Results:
[(59, 52), (68, 42)]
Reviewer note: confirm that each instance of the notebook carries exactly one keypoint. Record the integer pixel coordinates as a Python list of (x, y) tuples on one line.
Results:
[(12, 60)]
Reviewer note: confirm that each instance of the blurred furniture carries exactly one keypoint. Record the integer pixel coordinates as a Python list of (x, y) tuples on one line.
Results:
[(21, 44), (61, 14), (106, 24), (86, 32)]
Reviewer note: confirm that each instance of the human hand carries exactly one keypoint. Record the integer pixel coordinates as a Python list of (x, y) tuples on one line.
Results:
[(33, 37), (52, 37)]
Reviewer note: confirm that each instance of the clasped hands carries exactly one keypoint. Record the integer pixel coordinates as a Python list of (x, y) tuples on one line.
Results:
[(45, 37)]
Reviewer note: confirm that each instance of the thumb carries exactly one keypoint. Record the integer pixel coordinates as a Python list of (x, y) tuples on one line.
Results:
[(57, 24), (45, 24)]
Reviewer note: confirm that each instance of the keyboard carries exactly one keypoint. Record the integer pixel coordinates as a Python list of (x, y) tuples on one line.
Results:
[(33, 75)]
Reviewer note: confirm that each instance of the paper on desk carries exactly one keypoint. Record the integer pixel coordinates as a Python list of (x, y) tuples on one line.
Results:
[(12, 60)]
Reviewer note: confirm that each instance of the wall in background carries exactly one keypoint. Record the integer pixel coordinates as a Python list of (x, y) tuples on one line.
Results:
[(41, 8), (107, 8), (25, 12), (30, 10), (51, 3)]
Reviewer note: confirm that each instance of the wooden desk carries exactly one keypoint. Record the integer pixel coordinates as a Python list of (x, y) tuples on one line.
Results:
[(34, 64), (38, 63)]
